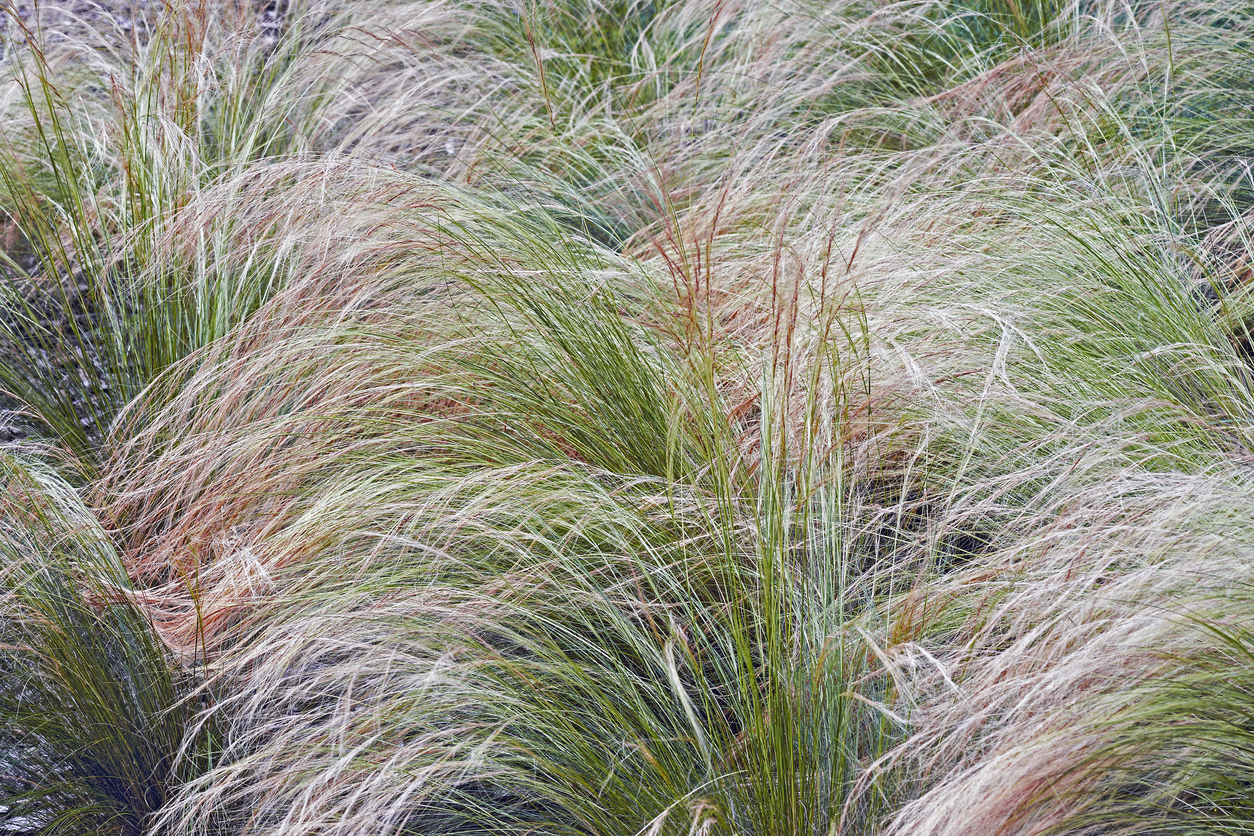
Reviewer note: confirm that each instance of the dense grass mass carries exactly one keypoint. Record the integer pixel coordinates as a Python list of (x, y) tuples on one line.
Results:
[(628, 418)]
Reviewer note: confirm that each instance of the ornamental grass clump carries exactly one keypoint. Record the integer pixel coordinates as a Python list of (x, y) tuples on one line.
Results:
[(626, 418), (548, 548), (94, 722), (107, 137)]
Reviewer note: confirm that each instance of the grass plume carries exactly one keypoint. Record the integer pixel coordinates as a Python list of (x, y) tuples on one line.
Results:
[(627, 418)]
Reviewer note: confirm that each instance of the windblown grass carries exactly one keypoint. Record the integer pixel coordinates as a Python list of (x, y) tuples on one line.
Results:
[(721, 418), (95, 721)]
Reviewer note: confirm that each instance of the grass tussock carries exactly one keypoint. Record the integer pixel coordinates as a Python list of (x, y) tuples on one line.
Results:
[(627, 418)]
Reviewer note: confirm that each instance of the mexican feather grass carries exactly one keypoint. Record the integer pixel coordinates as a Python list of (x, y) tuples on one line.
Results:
[(627, 418)]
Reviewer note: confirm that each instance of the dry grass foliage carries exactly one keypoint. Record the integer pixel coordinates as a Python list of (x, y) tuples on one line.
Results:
[(628, 418)]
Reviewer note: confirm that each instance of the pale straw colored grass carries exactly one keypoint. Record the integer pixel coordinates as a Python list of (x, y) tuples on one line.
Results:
[(728, 418)]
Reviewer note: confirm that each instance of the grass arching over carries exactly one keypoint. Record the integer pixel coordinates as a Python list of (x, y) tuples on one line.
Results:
[(740, 419), (95, 723), (525, 458), (108, 136)]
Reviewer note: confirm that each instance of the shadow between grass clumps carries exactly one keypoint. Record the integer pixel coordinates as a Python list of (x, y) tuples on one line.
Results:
[(96, 723)]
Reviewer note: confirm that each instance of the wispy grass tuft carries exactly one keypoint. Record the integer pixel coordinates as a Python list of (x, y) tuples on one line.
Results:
[(93, 717), (724, 418), (106, 140)]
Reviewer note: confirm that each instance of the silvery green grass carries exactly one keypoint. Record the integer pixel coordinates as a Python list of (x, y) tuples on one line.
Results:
[(629, 418)]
